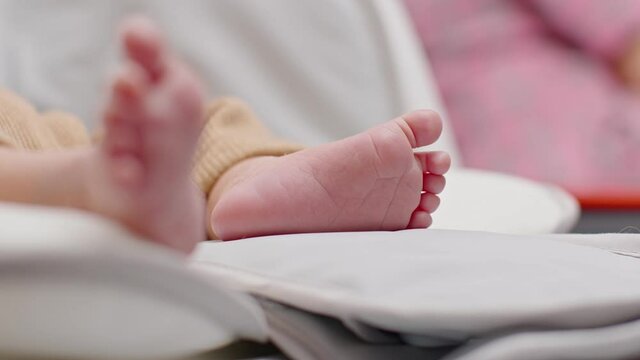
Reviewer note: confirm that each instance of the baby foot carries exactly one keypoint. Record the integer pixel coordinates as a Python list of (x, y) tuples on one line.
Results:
[(370, 181), (140, 175)]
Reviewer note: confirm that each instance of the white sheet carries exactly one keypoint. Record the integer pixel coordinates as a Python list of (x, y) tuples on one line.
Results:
[(447, 286), (434, 286)]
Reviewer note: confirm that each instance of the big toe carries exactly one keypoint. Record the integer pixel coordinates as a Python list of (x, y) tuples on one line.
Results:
[(144, 44), (422, 127)]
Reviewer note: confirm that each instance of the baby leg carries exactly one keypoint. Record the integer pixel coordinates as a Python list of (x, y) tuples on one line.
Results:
[(140, 174)]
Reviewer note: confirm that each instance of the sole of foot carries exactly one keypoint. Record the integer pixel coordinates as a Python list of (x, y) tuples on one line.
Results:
[(371, 181)]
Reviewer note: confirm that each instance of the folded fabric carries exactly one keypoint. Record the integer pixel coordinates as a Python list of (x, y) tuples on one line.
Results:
[(306, 336), (77, 286), (499, 294)]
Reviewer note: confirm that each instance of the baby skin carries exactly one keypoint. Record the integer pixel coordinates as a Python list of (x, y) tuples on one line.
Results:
[(140, 174), (370, 181)]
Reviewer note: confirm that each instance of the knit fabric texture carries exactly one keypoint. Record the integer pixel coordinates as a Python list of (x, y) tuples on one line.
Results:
[(231, 134)]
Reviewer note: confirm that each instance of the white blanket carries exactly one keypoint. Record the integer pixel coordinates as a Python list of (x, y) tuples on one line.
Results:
[(445, 287), (74, 284)]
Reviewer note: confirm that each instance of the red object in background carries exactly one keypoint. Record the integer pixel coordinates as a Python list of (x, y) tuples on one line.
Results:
[(610, 199)]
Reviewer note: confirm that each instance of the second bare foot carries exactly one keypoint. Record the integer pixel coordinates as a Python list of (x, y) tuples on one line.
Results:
[(140, 175)]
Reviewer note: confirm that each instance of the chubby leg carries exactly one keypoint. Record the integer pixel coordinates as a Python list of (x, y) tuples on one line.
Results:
[(370, 181), (140, 175)]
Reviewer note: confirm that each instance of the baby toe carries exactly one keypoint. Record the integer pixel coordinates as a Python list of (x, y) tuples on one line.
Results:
[(435, 162), (429, 202), (433, 183), (420, 220)]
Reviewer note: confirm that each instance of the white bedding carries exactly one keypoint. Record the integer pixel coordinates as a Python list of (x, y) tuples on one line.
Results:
[(85, 287), (449, 287)]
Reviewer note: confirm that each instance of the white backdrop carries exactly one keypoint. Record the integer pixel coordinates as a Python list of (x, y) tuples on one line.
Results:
[(314, 70)]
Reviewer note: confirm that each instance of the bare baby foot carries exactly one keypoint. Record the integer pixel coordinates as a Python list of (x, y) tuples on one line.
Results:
[(370, 181), (140, 175)]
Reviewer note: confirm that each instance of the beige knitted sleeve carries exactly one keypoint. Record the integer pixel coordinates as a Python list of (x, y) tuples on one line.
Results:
[(22, 127), (231, 134), (68, 131)]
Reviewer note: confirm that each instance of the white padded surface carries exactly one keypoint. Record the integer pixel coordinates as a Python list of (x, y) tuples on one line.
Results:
[(478, 200), (423, 281), (449, 285), (76, 286)]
